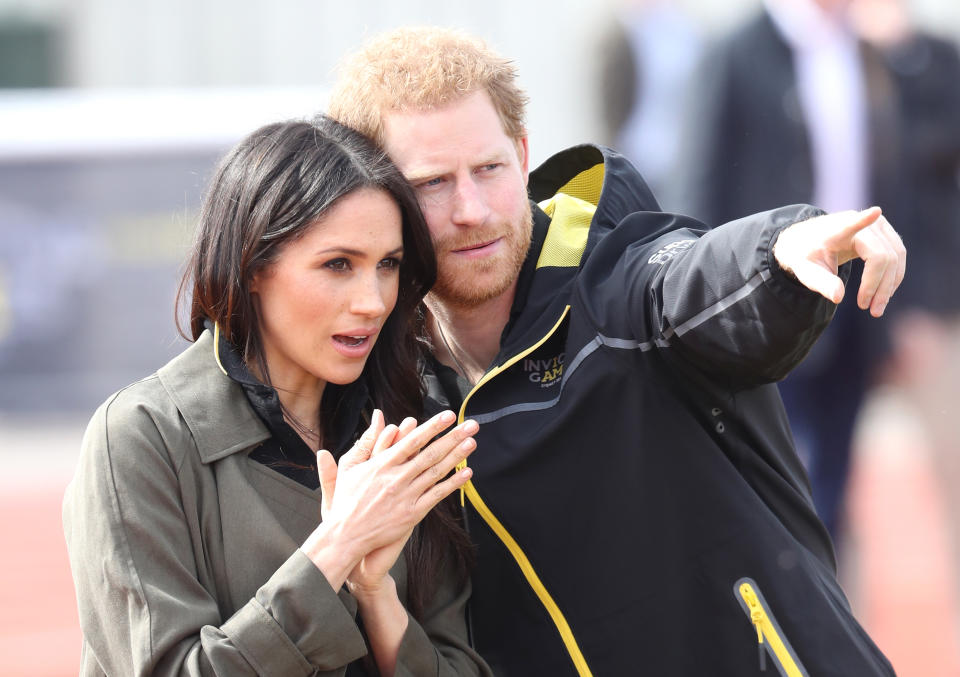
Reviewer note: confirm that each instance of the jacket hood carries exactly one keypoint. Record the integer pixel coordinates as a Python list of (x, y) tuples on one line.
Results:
[(597, 175)]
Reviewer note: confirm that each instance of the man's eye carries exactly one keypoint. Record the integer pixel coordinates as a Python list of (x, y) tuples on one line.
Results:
[(429, 183), (337, 265)]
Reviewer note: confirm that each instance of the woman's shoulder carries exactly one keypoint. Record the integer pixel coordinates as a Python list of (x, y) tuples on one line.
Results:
[(144, 402), (191, 398), (133, 458), (189, 410), (142, 415), (148, 397)]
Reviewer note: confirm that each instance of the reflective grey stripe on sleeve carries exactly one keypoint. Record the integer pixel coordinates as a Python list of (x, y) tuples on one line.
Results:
[(721, 305)]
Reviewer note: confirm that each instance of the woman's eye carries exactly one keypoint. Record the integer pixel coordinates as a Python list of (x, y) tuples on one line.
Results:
[(390, 263), (337, 265)]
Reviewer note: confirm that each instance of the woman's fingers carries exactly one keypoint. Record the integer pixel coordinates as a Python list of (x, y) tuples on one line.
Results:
[(382, 498), (437, 451), (436, 472), (393, 434), (385, 439), (419, 437), (407, 426), (363, 447), (441, 490)]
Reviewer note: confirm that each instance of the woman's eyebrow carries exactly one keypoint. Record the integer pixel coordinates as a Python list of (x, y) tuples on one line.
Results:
[(353, 252)]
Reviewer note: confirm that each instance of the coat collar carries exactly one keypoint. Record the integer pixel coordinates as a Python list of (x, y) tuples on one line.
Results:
[(213, 406)]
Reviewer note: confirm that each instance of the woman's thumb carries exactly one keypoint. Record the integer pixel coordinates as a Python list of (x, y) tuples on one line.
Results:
[(327, 471)]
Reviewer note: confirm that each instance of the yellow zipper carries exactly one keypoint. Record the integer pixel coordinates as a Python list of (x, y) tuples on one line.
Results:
[(767, 629), (469, 492)]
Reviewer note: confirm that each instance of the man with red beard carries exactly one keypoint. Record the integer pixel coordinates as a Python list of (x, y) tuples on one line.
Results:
[(637, 502)]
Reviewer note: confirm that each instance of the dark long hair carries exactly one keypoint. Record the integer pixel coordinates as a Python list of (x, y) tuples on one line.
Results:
[(269, 190)]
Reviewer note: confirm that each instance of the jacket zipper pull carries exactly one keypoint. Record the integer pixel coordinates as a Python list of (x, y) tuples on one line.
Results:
[(758, 617)]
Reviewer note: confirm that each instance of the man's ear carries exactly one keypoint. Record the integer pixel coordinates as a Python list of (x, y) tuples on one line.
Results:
[(523, 152)]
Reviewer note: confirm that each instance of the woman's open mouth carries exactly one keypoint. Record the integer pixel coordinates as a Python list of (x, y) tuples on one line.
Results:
[(354, 345), (351, 341)]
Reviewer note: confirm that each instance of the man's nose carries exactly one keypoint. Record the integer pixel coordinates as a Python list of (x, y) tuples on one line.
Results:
[(470, 204)]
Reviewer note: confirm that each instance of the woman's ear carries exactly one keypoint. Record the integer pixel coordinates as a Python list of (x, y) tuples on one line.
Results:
[(254, 285)]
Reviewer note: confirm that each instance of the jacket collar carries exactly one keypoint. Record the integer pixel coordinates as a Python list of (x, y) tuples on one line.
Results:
[(613, 188), (541, 223), (213, 406), (598, 175)]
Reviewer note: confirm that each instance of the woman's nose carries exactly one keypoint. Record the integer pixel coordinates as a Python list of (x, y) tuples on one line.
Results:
[(368, 298)]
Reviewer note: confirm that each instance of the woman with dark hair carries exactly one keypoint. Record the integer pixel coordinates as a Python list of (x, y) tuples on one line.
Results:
[(193, 521)]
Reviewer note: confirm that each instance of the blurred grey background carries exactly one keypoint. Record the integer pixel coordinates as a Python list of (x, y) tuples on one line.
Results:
[(112, 116), (112, 113)]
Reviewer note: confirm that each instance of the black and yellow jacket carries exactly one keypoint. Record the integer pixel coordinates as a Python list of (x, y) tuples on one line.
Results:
[(637, 502)]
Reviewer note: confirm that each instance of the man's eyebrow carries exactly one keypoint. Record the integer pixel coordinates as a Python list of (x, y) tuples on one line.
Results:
[(413, 177), (496, 156), (428, 173)]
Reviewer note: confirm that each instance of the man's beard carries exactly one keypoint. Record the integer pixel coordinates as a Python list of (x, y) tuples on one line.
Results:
[(461, 285)]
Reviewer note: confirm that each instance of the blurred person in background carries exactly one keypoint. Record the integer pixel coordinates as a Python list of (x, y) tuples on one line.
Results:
[(193, 522), (637, 503), (646, 59), (925, 335), (793, 106)]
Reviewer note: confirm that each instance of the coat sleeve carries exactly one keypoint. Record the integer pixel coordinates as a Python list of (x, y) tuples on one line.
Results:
[(716, 298), (732, 310), (440, 645), (143, 609)]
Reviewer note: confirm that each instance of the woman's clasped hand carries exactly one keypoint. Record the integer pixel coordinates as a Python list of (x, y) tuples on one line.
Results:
[(381, 488)]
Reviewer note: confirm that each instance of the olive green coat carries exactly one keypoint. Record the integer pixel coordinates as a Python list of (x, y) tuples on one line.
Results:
[(185, 552)]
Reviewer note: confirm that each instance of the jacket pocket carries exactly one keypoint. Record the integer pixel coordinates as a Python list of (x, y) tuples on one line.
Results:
[(770, 638)]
